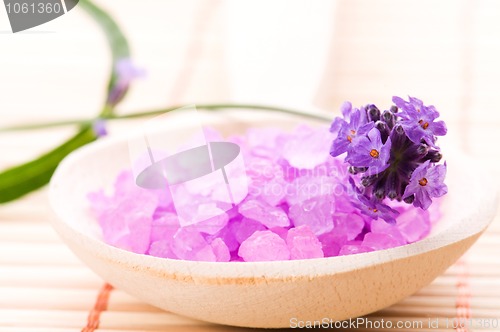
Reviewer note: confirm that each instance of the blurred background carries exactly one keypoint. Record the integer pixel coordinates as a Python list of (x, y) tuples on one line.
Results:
[(298, 53), (303, 54)]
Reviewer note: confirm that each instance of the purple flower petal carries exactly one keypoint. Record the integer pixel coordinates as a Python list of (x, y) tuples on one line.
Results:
[(370, 152), (427, 182), (346, 109), (418, 120), (353, 125)]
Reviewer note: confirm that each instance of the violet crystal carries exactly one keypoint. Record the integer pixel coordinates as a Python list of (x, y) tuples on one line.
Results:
[(302, 203)]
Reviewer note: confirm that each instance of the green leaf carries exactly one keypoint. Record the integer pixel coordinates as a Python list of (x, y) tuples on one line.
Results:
[(20, 180)]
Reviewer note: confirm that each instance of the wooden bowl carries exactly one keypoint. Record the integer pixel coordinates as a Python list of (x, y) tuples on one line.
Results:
[(264, 294)]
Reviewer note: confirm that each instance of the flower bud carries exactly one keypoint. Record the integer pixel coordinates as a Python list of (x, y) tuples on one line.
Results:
[(373, 113), (388, 118), (409, 199), (434, 156), (422, 149), (355, 170), (367, 181), (393, 185), (383, 129)]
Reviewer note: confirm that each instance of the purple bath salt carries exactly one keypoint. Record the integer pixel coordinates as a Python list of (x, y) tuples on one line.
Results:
[(316, 213), (301, 204), (303, 243), (264, 246), (220, 250), (267, 215), (191, 245), (244, 228)]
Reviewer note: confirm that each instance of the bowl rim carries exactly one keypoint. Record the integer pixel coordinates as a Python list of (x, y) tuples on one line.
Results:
[(459, 230)]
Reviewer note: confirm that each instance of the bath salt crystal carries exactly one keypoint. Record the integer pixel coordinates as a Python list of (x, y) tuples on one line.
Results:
[(126, 229), (343, 204), (165, 200), (315, 212), (244, 228), (267, 215), (264, 246), (305, 148), (351, 225), (331, 243), (227, 236), (273, 192), (263, 169), (307, 187), (413, 224), (300, 205), (191, 245), (126, 217), (209, 225), (162, 249), (220, 250), (379, 241), (380, 226), (263, 141), (164, 227), (281, 231), (351, 249), (303, 243), (99, 203)]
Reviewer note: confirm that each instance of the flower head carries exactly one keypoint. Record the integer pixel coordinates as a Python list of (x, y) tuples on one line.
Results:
[(427, 182), (418, 120), (372, 207), (394, 152), (369, 151), (125, 72), (353, 125)]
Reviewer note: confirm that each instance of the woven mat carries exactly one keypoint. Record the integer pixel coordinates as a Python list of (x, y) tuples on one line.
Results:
[(44, 287)]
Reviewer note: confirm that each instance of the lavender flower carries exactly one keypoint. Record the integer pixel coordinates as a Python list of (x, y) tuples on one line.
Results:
[(350, 128), (371, 206), (426, 182), (99, 127), (393, 153), (125, 72), (370, 152), (418, 120), (374, 208)]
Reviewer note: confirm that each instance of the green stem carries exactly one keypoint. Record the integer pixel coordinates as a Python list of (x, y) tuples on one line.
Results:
[(19, 180), (117, 42), (165, 110), (45, 125), (227, 106)]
